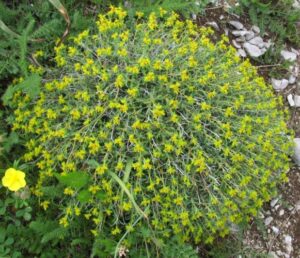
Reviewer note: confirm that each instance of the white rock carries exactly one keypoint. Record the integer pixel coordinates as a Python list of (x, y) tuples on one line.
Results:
[(238, 33), (255, 29), (287, 55), (296, 4), (194, 16), (262, 45), (214, 25), (252, 50), (297, 206), (292, 79), (261, 215), (280, 253), (281, 212), (263, 50), (275, 230), (234, 228), (236, 45), (242, 53), (272, 255), (291, 100), (288, 241), (268, 44), (279, 84), (296, 71), (297, 52), (268, 221), (241, 39), (236, 24), (250, 35), (297, 151), (297, 100), (274, 202), (256, 41), (221, 17)]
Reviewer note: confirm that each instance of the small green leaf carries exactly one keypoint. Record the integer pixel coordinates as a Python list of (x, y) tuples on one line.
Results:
[(27, 216), (92, 163), (2, 210), (11, 140), (9, 241), (84, 196), (101, 195), (31, 86), (74, 179), (2, 234)]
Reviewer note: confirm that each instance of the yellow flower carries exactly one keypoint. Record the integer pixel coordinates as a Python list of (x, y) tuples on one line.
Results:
[(14, 179)]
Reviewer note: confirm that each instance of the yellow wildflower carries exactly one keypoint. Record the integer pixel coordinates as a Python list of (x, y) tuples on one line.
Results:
[(14, 179)]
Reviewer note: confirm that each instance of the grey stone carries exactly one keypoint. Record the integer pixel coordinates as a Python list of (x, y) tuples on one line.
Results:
[(194, 16), (255, 29), (297, 206), (213, 25), (272, 255), (238, 33), (291, 100), (275, 230), (252, 50), (274, 202), (297, 52), (279, 84), (235, 44), (287, 55), (281, 212), (268, 44), (268, 221), (242, 53), (240, 39), (236, 24), (292, 79), (297, 100), (250, 35), (297, 151), (296, 4), (288, 241), (256, 41)]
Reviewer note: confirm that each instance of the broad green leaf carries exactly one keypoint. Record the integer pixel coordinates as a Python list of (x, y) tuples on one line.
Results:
[(74, 179)]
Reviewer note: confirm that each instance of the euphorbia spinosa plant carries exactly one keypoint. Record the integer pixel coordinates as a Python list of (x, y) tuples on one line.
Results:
[(153, 126)]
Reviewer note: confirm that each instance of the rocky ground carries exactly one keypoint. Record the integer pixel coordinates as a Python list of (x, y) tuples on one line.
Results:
[(276, 233)]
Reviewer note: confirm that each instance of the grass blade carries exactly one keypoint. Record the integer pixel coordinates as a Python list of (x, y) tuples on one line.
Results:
[(63, 11), (8, 30), (122, 185)]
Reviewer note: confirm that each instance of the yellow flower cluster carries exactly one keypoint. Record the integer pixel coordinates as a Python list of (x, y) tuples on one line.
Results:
[(192, 132)]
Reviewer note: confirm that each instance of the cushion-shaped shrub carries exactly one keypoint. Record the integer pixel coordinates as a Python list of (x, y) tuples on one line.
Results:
[(151, 125)]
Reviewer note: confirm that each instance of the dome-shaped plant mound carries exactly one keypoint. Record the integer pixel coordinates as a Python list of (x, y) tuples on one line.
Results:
[(152, 126)]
